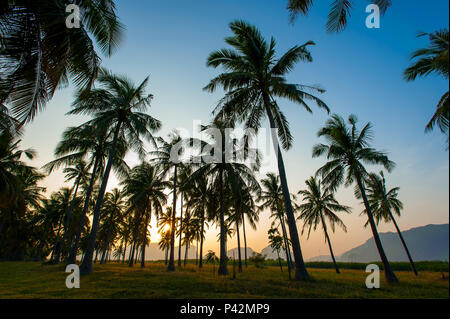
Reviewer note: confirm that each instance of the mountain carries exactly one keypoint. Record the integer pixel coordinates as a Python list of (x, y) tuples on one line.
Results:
[(234, 251), (429, 242)]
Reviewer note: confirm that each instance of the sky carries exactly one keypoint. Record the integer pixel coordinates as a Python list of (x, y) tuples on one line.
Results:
[(360, 68)]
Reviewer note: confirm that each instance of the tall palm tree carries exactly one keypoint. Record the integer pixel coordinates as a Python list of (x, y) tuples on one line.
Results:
[(145, 189), (318, 207), (39, 53), (217, 170), (116, 105), (93, 144), (433, 59), (347, 151), (79, 173), (254, 77), (168, 156), (272, 199), (112, 211), (383, 204), (339, 14)]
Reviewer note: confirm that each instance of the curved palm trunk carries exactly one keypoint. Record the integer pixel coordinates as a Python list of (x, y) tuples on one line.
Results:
[(171, 266), (239, 248), (74, 250), (300, 269), (86, 266), (67, 223), (181, 231), (327, 238), (245, 241), (389, 274), (223, 270), (200, 262), (404, 244)]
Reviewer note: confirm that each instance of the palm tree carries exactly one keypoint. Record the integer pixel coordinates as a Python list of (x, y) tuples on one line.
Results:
[(318, 207), (169, 156), (79, 173), (218, 170), (112, 213), (340, 11), (94, 144), (347, 151), (39, 57), (383, 203), (272, 199), (253, 78), (433, 59), (164, 244), (145, 189), (276, 243), (117, 105)]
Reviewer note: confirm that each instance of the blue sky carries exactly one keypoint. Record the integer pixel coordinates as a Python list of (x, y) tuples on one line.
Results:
[(361, 69)]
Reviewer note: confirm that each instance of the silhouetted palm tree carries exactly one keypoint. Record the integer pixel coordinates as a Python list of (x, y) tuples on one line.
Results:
[(339, 14), (254, 77), (318, 207), (116, 105), (347, 151), (383, 203), (40, 53), (433, 59)]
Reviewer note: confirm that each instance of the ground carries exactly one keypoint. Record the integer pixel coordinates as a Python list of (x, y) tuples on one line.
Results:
[(35, 280)]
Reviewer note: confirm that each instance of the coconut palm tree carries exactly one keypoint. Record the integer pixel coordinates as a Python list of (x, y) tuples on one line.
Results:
[(426, 61), (113, 210), (253, 78), (219, 165), (164, 243), (40, 53), (276, 243), (318, 207), (347, 151), (145, 189), (384, 204), (93, 144), (117, 106), (168, 156), (272, 199), (339, 14)]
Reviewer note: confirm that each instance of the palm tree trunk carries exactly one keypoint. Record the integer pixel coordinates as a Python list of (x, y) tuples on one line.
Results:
[(124, 252), (167, 255), (52, 257), (300, 269), (200, 262), (239, 248), (86, 266), (171, 266), (181, 231), (245, 240), (223, 270), (186, 254), (404, 244), (286, 246), (147, 221), (327, 238), (135, 250), (389, 274), (74, 250), (279, 260)]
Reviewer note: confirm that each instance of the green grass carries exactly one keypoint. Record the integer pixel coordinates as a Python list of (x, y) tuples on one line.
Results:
[(34, 280)]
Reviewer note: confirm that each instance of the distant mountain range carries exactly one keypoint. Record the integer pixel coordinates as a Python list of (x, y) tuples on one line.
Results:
[(429, 242)]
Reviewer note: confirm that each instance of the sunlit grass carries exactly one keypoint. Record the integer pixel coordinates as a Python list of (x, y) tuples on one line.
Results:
[(34, 280)]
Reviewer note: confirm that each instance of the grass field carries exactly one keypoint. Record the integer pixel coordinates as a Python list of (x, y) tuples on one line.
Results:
[(34, 280)]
